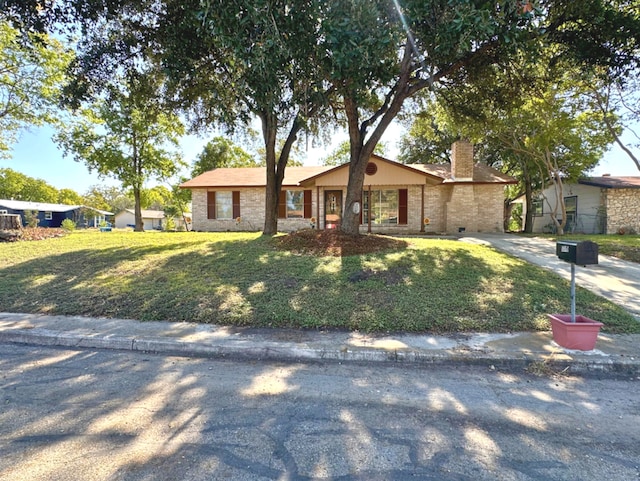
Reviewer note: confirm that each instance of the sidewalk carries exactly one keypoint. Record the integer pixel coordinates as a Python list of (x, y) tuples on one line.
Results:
[(613, 354)]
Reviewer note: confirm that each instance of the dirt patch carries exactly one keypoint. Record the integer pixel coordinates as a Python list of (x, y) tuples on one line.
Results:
[(337, 244), (31, 234)]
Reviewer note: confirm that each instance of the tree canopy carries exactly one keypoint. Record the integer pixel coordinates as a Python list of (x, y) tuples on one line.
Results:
[(32, 70), (128, 135)]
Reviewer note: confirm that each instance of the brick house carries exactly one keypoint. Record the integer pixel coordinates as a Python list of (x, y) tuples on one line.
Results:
[(397, 198)]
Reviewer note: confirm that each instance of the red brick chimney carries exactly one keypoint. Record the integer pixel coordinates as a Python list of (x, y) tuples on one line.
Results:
[(462, 160)]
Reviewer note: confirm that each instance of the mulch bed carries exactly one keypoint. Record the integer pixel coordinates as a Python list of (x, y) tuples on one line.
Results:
[(30, 234), (335, 243)]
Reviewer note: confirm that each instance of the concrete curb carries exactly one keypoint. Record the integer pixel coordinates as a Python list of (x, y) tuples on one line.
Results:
[(518, 358)]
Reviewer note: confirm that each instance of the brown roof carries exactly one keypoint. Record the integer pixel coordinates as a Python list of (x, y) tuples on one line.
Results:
[(294, 176), (609, 182), (482, 174), (250, 177)]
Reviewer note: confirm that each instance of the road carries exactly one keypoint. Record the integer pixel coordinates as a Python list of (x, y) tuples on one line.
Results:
[(108, 415)]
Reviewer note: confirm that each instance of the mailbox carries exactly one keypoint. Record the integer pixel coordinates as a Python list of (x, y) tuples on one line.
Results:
[(577, 252)]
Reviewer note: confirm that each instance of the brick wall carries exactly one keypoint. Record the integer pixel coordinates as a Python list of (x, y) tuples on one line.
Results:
[(623, 209), (462, 160), (477, 208)]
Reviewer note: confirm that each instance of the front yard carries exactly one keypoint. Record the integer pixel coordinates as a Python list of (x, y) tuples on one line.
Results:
[(244, 279)]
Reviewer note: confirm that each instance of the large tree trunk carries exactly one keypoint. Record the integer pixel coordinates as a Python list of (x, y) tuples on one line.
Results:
[(275, 166), (528, 195), (139, 224)]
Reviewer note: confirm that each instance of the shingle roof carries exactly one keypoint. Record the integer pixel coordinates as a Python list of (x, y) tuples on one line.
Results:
[(609, 182), (148, 214), (250, 177), (294, 176), (45, 206)]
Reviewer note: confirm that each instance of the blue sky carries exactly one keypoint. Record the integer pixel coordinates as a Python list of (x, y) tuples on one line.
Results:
[(37, 156)]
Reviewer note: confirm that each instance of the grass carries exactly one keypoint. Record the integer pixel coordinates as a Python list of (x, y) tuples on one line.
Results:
[(625, 247), (249, 280)]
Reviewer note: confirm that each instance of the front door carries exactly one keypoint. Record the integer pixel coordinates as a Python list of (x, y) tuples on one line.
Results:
[(332, 209)]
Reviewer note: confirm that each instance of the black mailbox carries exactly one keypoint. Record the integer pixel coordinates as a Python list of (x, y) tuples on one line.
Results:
[(577, 252)]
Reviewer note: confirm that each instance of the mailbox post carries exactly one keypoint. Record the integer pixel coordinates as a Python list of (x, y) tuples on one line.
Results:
[(576, 252)]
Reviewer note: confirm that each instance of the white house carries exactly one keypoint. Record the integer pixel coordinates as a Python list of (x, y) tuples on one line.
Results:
[(594, 205)]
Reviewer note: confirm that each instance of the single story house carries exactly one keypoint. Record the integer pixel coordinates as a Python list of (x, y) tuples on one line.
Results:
[(151, 219), (397, 198), (594, 205), (52, 215)]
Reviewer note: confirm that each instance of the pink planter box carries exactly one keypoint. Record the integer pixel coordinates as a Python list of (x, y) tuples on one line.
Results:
[(581, 335)]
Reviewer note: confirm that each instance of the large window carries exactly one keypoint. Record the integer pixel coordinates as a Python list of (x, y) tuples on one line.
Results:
[(295, 204), (223, 204), (383, 206)]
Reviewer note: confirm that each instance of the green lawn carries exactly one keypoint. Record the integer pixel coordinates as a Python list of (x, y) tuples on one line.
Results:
[(242, 279), (625, 247)]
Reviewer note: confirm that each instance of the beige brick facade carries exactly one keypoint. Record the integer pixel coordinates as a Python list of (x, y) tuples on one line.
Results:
[(472, 207), (623, 209), (470, 200)]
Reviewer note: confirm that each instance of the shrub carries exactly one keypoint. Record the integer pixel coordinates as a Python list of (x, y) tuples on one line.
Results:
[(31, 218), (68, 225)]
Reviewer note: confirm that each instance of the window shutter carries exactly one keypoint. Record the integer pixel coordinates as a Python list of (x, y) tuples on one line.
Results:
[(211, 205), (307, 204), (235, 199), (362, 204), (282, 204), (403, 197)]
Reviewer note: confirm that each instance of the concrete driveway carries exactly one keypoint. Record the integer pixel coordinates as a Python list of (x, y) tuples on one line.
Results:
[(613, 279)]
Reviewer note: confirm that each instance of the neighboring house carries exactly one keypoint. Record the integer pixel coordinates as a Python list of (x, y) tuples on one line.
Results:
[(52, 215), (594, 205), (151, 219), (397, 198)]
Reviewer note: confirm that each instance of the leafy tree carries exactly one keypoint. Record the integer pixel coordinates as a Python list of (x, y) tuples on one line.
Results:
[(340, 154), (222, 152), (253, 58), (619, 103), (16, 185), (31, 73), (443, 45), (70, 197), (155, 198), (125, 135), (111, 199)]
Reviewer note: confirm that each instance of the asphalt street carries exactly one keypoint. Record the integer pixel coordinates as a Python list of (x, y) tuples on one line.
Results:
[(90, 414)]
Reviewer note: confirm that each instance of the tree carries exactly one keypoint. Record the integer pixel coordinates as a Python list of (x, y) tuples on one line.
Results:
[(552, 132), (31, 72), (125, 135), (221, 152), (378, 58), (111, 199), (253, 58), (15, 185), (340, 154), (69, 197)]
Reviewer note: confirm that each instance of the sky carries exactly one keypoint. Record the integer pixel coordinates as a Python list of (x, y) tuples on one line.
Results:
[(37, 156)]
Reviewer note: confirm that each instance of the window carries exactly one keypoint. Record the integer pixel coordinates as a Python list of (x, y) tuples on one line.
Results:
[(48, 215), (223, 204), (571, 207), (294, 204), (537, 208), (386, 207)]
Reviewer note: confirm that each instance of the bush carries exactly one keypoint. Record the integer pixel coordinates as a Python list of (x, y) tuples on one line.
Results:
[(31, 218), (68, 225)]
